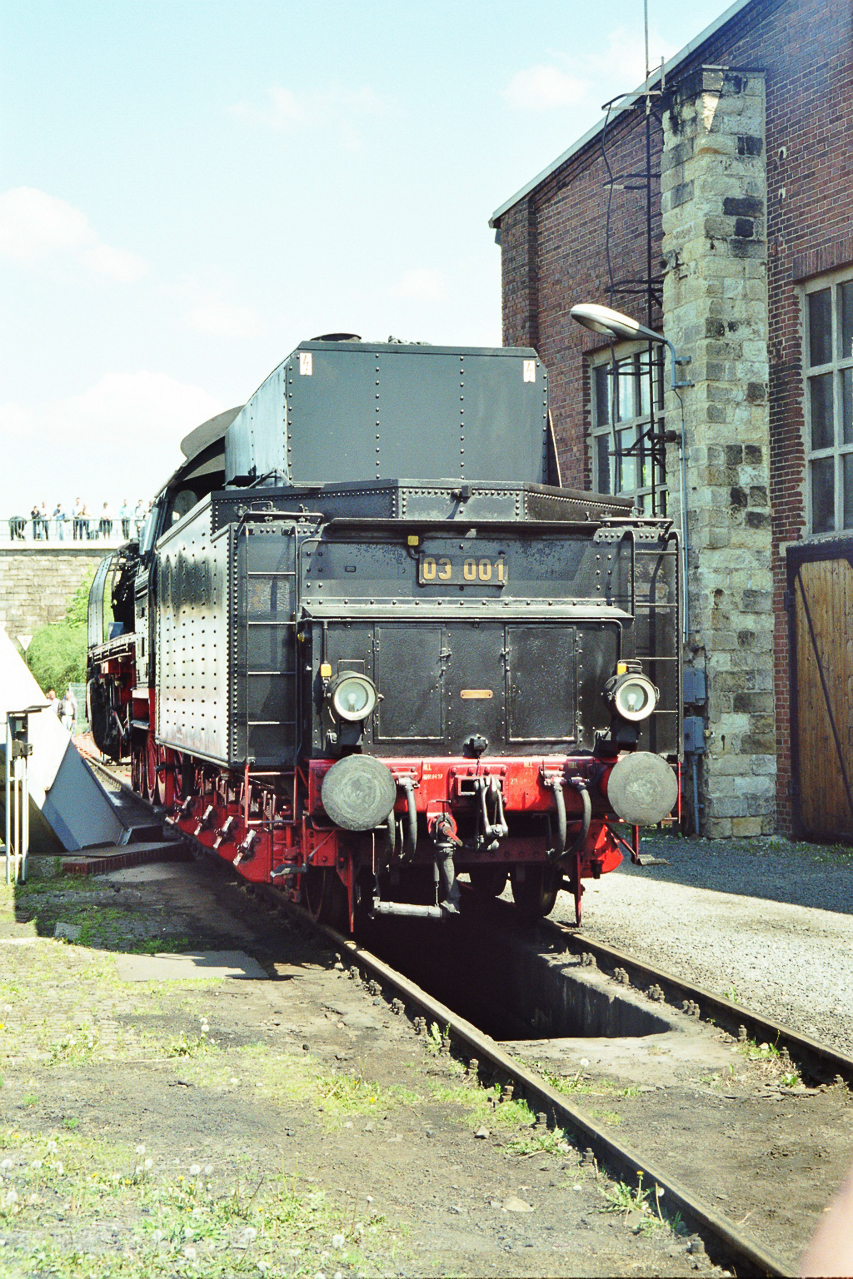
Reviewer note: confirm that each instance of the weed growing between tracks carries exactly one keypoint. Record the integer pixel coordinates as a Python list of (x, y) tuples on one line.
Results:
[(581, 1085), (635, 1201)]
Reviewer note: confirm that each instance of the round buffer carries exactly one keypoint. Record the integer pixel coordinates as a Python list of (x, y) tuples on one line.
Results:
[(358, 792), (642, 788)]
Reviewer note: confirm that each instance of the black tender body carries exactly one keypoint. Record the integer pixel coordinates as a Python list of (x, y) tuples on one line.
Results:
[(486, 607)]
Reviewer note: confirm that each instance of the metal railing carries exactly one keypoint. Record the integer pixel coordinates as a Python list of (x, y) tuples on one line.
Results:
[(63, 535)]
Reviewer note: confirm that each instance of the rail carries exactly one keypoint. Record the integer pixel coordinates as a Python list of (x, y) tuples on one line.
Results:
[(617, 1158)]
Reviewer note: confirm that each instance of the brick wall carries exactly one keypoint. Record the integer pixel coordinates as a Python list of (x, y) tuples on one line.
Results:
[(805, 50), (37, 586), (563, 221)]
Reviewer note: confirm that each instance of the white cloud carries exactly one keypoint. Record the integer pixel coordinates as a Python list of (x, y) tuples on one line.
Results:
[(123, 433), (567, 80), (118, 265), (217, 318), (37, 228), (543, 87), (335, 107), (422, 285), (202, 305)]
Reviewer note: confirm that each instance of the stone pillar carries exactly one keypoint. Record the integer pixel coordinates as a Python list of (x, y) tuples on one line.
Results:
[(713, 190)]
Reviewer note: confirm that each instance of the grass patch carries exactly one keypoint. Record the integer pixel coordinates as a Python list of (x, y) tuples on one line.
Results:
[(155, 945), (582, 1085), (542, 1141), (75, 1210), (645, 1203), (607, 1116)]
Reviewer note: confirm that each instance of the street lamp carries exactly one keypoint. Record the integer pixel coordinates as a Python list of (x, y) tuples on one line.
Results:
[(602, 319)]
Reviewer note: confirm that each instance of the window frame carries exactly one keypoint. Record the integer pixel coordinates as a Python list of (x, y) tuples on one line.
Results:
[(636, 423), (835, 368)]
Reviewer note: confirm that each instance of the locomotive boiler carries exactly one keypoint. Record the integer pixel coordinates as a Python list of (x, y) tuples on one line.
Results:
[(366, 645)]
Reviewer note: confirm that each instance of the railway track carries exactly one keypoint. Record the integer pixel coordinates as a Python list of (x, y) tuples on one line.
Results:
[(725, 1239), (817, 1061)]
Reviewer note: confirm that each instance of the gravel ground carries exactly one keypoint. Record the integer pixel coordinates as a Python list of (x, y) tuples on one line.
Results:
[(764, 922)]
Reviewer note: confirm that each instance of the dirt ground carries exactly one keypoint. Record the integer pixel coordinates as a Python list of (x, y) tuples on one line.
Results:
[(293, 1122)]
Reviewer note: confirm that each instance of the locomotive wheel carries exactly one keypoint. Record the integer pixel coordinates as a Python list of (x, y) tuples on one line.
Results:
[(139, 766), (164, 786), (184, 783), (488, 881), (324, 896), (536, 894), (153, 781)]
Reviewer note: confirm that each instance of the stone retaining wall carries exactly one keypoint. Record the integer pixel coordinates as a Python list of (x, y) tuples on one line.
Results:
[(37, 586)]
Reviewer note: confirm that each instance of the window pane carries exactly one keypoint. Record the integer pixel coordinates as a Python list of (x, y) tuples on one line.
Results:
[(627, 463), (820, 390), (847, 495), (602, 460), (820, 327), (602, 395), (847, 406), (846, 300), (659, 370), (823, 495), (626, 384), (643, 386)]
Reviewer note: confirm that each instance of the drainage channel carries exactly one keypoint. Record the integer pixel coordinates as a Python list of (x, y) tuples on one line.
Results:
[(530, 999)]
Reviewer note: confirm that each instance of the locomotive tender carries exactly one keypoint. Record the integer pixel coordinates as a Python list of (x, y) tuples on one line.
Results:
[(360, 686)]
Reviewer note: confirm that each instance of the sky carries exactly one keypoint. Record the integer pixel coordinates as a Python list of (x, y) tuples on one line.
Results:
[(189, 188)]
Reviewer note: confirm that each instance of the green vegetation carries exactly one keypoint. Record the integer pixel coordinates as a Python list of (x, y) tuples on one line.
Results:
[(184, 1220), (57, 654), (579, 1085), (635, 1200)]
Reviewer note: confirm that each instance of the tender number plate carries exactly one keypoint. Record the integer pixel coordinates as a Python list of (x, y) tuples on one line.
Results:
[(462, 570)]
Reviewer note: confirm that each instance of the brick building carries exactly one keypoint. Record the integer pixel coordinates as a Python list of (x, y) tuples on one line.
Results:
[(726, 224)]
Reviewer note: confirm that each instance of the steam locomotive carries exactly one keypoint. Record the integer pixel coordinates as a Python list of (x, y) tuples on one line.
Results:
[(361, 687)]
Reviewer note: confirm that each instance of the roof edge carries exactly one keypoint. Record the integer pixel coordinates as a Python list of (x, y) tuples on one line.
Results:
[(627, 102)]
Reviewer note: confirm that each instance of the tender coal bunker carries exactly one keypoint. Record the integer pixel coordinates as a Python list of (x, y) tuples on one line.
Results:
[(505, 984)]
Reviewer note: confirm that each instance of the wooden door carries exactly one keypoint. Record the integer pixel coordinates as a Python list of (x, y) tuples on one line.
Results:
[(821, 599)]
